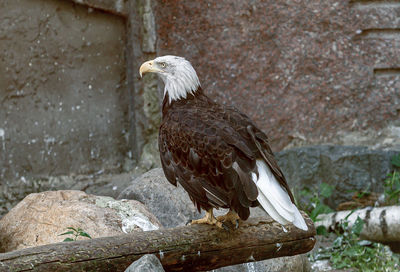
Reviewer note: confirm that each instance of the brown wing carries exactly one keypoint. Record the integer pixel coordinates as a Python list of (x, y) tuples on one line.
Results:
[(211, 150), (209, 158), (246, 127)]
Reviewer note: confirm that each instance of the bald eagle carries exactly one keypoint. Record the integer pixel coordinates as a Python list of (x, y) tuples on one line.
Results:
[(215, 152)]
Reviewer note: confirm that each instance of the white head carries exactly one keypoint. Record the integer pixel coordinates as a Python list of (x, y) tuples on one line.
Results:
[(177, 73)]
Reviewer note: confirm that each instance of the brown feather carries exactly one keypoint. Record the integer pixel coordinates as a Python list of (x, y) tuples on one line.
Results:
[(211, 150)]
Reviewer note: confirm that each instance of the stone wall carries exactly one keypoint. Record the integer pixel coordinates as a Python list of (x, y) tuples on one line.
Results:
[(63, 90), (306, 71)]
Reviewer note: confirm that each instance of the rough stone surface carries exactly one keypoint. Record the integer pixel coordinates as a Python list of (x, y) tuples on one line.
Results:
[(62, 89), (298, 263), (144, 113), (147, 263), (99, 183), (347, 168), (40, 218), (149, 35), (303, 70)]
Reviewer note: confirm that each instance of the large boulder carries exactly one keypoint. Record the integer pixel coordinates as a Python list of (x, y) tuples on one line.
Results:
[(347, 168), (99, 183), (40, 218)]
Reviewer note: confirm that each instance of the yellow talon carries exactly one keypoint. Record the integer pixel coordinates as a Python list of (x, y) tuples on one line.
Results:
[(209, 219), (231, 217)]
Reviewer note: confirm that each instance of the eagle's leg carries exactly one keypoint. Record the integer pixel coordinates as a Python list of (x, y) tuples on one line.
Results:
[(209, 219), (230, 216)]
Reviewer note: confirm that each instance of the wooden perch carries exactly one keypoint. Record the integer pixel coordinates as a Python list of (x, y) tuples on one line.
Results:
[(190, 248)]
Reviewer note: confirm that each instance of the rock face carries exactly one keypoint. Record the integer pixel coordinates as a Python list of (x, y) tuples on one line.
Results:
[(303, 70), (170, 204), (347, 168), (40, 218), (147, 263)]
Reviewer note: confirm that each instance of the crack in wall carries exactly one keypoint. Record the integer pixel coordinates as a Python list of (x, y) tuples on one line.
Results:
[(379, 33), (387, 71)]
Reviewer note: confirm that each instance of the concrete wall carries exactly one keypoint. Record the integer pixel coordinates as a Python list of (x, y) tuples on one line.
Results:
[(63, 93), (308, 72)]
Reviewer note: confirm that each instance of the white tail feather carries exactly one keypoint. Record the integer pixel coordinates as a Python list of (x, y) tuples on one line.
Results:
[(266, 204), (274, 199)]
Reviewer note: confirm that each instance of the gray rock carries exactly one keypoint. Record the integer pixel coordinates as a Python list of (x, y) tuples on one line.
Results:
[(347, 168), (298, 263), (147, 263), (171, 205)]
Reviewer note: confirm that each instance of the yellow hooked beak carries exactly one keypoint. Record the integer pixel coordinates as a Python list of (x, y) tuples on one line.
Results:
[(148, 67)]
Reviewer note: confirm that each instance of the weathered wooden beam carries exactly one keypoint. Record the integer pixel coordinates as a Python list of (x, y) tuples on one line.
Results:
[(190, 248)]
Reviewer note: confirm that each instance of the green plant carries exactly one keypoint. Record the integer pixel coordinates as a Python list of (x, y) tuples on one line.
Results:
[(396, 160), (364, 193), (348, 251), (312, 202), (392, 184), (75, 233)]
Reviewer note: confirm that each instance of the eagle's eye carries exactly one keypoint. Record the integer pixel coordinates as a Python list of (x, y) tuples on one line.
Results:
[(163, 64)]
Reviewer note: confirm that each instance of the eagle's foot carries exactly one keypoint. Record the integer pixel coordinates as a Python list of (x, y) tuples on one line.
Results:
[(210, 220), (231, 217)]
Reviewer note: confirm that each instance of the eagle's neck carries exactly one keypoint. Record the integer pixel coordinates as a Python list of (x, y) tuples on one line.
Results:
[(195, 97), (180, 83)]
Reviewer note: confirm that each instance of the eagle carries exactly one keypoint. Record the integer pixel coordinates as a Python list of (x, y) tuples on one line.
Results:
[(216, 153)]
